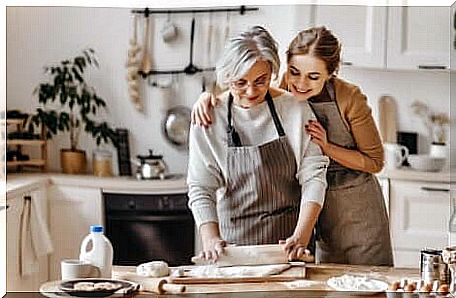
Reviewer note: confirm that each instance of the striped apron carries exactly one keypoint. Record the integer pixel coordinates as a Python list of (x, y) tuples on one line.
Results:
[(262, 199), (353, 224)]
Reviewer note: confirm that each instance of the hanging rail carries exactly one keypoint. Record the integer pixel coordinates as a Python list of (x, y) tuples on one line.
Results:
[(190, 69), (146, 12)]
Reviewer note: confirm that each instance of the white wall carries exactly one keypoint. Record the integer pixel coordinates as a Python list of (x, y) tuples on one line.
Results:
[(38, 36), (430, 87)]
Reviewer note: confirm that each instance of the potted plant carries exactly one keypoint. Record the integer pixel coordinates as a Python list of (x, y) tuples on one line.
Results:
[(436, 124), (79, 107)]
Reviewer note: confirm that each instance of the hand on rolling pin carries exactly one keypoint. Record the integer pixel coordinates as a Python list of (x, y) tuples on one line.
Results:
[(296, 248), (212, 249)]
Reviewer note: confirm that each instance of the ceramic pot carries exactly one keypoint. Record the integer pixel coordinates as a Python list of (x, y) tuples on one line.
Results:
[(73, 162)]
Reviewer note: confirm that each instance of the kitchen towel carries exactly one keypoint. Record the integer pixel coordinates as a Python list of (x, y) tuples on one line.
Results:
[(35, 240)]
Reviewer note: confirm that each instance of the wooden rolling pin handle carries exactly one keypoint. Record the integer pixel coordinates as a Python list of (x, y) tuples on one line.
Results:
[(307, 258), (172, 288)]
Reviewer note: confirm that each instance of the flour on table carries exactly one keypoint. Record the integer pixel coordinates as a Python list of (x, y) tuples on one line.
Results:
[(348, 282), (236, 271)]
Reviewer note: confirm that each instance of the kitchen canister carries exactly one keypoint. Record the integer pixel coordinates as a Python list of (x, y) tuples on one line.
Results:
[(102, 163), (432, 267)]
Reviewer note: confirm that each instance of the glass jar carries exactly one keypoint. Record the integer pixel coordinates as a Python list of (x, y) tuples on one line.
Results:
[(102, 163)]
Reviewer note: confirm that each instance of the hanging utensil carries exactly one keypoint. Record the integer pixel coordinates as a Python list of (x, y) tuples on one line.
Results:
[(227, 27), (146, 62), (133, 68), (176, 126), (169, 30)]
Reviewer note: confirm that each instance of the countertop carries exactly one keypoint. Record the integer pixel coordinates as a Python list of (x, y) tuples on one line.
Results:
[(313, 286), (18, 183), (317, 275)]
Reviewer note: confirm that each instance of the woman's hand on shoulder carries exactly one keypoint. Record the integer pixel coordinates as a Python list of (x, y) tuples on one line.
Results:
[(201, 111), (318, 134)]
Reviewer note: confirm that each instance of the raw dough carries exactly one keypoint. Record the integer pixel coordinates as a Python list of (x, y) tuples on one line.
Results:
[(153, 269), (84, 286), (99, 286), (237, 271)]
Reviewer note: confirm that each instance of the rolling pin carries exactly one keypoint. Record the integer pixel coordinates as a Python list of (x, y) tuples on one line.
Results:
[(158, 285), (251, 255)]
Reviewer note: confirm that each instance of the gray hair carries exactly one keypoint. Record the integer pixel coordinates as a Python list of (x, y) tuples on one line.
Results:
[(242, 51)]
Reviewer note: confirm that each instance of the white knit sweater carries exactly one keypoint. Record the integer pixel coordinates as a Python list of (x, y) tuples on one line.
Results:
[(207, 169)]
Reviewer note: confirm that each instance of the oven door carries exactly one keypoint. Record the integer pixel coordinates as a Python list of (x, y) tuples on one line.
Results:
[(142, 235)]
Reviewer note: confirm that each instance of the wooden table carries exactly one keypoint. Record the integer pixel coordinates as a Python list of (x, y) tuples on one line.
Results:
[(313, 286)]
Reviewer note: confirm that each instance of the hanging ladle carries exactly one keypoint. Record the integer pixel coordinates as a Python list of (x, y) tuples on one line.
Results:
[(192, 69)]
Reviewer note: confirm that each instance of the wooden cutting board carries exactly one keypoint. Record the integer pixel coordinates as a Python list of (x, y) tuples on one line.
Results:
[(295, 272), (292, 273), (387, 114)]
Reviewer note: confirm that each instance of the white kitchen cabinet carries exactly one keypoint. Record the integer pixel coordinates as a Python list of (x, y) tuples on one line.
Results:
[(14, 280), (2, 245), (384, 184), (418, 37), (453, 37), (73, 210), (419, 218), (361, 30)]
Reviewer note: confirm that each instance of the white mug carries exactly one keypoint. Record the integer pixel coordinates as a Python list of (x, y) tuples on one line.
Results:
[(438, 150), (395, 154), (73, 268)]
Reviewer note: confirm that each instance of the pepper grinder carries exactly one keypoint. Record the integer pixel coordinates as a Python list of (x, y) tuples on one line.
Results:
[(449, 257)]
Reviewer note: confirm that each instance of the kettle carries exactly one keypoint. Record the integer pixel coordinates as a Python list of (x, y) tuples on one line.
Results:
[(150, 166)]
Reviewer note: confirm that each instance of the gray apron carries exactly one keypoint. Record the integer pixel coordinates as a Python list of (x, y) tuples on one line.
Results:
[(353, 224), (262, 199)]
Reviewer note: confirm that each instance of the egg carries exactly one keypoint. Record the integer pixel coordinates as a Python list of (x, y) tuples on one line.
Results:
[(426, 288), (443, 289), (394, 286), (409, 287)]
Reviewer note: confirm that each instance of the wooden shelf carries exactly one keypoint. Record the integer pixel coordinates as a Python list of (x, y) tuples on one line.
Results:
[(25, 142), (11, 121), (31, 162)]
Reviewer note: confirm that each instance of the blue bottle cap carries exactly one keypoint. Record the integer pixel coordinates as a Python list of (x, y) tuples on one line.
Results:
[(96, 228)]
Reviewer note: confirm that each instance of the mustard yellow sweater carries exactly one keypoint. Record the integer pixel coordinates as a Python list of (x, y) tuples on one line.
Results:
[(357, 116)]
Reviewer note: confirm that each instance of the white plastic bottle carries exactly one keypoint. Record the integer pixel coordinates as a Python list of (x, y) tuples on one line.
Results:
[(101, 253)]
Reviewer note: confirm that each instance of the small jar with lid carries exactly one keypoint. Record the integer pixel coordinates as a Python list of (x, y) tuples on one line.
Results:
[(102, 163)]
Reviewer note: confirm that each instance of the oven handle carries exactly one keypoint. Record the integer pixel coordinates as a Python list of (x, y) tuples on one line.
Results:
[(182, 217)]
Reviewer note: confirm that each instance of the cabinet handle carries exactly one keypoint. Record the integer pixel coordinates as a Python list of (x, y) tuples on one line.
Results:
[(4, 207), (348, 63), (432, 67), (434, 189)]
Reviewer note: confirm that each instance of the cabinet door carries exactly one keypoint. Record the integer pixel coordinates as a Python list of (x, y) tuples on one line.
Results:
[(419, 216), (14, 281), (73, 210), (453, 38), (418, 37), (384, 184), (13, 221), (360, 29), (2, 245)]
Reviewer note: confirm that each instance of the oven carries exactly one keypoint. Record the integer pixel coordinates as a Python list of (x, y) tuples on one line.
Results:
[(143, 228)]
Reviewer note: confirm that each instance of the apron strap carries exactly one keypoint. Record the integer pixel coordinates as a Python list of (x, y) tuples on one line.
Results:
[(274, 115), (233, 137)]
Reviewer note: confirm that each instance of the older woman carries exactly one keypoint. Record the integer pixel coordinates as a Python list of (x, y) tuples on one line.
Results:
[(273, 177), (353, 225)]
